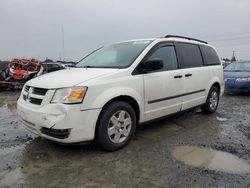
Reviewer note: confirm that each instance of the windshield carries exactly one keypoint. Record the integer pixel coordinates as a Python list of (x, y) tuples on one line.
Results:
[(119, 55), (238, 67)]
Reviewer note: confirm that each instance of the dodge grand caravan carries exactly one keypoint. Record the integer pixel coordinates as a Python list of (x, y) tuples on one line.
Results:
[(117, 87)]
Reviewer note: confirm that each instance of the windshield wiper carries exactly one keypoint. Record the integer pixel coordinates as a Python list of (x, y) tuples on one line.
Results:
[(89, 66), (86, 66)]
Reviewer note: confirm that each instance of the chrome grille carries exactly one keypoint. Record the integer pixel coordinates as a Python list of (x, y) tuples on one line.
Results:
[(39, 91), (34, 95), (230, 79), (26, 88), (35, 101), (25, 97)]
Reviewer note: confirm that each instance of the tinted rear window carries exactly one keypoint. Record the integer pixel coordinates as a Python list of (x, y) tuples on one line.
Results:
[(210, 56), (190, 55)]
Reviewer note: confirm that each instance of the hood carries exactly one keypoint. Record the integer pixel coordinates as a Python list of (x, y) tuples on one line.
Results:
[(236, 74), (68, 77)]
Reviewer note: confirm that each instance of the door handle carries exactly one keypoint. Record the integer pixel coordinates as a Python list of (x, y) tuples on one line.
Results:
[(187, 75), (178, 76)]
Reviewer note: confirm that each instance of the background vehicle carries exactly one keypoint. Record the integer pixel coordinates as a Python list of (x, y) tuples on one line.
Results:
[(51, 67), (19, 71), (117, 87), (225, 64), (69, 65), (237, 77)]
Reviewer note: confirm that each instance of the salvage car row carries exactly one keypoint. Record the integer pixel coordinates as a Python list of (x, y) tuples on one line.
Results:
[(15, 73)]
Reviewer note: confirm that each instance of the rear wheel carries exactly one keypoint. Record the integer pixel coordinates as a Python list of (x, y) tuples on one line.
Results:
[(116, 126), (212, 101)]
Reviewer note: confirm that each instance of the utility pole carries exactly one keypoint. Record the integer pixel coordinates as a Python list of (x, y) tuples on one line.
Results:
[(63, 54), (233, 57)]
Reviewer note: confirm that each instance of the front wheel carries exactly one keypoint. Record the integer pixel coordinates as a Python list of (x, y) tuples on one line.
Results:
[(212, 101), (116, 126)]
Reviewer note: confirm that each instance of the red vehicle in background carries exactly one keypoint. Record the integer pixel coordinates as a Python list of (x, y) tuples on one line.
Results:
[(19, 71)]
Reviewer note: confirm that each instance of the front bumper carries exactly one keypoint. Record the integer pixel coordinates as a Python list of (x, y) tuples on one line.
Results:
[(236, 87), (59, 122)]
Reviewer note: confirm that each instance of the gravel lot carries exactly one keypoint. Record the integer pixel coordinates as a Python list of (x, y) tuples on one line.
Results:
[(148, 161)]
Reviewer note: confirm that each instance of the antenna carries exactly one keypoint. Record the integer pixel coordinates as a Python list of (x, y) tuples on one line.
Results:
[(233, 57)]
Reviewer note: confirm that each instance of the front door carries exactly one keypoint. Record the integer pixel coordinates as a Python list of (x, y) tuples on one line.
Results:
[(163, 88)]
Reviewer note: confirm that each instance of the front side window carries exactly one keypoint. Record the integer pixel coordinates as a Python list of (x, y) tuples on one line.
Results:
[(167, 55), (119, 55)]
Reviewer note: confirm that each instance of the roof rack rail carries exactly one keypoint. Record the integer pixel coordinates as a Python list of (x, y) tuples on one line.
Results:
[(182, 37)]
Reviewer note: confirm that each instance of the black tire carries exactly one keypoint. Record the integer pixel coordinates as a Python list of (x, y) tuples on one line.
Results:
[(103, 137), (212, 102)]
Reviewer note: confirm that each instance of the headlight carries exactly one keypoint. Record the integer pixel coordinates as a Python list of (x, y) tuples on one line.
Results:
[(243, 80), (71, 95)]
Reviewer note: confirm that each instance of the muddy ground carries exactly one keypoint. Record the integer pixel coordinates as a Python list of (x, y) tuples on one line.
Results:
[(29, 161)]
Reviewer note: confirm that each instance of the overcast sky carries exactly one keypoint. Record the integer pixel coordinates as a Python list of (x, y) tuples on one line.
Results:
[(33, 28)]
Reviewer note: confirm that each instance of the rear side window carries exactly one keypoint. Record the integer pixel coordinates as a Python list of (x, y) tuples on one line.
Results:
[(168, 57), (190, 55), (210, 56)]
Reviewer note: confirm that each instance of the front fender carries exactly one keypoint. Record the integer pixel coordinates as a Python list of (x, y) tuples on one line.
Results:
[(104, 97)]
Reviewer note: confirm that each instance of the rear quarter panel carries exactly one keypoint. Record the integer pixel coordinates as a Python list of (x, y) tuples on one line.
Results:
[(217, 75)]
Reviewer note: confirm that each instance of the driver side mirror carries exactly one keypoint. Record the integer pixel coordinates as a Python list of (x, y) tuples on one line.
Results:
[(152, 65)]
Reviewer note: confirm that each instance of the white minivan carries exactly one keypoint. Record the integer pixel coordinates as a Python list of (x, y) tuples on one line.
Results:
[(116, 88)]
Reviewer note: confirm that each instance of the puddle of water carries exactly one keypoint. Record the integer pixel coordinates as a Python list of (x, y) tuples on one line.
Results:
[(9, 99), (10, 105), (221, 119), (211, 159)]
